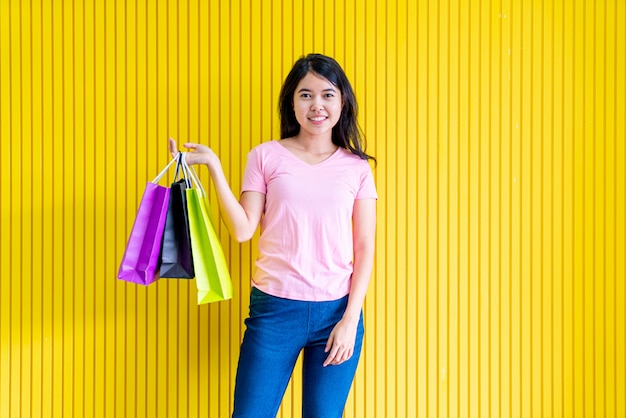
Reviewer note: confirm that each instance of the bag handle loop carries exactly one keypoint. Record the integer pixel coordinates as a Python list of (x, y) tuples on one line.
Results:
[(181, 173), (162, 173), (190, 173)]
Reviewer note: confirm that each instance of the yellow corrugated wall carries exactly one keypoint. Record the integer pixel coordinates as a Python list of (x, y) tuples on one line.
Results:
[(499, 128)]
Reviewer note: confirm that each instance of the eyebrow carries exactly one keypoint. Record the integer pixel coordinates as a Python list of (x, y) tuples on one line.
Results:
[(308, 90)]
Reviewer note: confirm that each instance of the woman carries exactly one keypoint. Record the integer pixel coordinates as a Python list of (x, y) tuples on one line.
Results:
[(313, 193)]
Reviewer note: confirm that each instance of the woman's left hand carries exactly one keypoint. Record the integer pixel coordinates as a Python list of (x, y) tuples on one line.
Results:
[(340, 345)]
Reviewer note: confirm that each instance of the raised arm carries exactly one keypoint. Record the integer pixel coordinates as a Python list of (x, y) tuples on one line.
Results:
[(241, 216)]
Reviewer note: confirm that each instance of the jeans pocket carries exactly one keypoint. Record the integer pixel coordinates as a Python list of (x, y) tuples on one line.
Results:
[(261, 303)]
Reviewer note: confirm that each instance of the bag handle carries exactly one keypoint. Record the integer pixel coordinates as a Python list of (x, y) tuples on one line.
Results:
[(191, 175), (181, 173), (162, 173), (178, 168)]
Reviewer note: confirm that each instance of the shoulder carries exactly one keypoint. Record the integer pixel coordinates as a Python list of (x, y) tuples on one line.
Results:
[(263, 151), (353, 160), (265, 147), (264, 156)]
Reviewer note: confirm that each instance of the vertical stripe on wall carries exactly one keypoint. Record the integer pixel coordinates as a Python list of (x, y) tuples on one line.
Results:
[(499, 130)]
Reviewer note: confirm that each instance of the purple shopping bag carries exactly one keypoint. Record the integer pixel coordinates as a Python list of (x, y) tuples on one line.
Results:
[(141, 259)]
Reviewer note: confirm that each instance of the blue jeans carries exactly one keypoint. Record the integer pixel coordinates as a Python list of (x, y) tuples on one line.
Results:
[(276, 331)]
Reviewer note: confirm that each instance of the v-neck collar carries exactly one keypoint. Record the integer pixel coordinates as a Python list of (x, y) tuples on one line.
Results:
[(295, 157)]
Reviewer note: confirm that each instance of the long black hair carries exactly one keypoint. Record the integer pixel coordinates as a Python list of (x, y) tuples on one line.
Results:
[(346, 133)]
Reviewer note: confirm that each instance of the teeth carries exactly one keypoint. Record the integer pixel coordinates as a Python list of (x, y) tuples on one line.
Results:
[(318, 119)]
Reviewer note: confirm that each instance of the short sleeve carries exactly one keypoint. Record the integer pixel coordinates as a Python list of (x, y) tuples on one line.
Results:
[(253, 177), (367, 188)]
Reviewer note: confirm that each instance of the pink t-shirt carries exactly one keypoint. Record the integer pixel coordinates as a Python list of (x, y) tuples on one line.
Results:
[(305, 247)]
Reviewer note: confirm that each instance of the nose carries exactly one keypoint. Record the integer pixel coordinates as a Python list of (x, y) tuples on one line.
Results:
[(316, 105)]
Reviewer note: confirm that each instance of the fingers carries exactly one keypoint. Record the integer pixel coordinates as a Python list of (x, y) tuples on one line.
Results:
[(333, 351), (172, 147), (197, 147), (340, 344), (337, 356), (330, 360), (338, 353), (198, 154), (329, 344)]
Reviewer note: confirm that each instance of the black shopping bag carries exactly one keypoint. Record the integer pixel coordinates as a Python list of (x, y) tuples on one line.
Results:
[(176, 256)]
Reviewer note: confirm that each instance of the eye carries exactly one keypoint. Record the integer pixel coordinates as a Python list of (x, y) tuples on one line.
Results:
[(305, 95), (329, 95)]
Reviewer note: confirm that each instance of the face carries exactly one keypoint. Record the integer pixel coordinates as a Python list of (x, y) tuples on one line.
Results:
[(317, 105)]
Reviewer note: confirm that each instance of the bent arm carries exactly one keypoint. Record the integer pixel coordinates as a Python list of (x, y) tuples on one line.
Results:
[(241, 216)]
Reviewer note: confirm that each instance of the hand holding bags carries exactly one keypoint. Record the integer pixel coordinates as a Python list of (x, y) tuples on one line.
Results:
[(174, 231), (141, 257), (212, 276)]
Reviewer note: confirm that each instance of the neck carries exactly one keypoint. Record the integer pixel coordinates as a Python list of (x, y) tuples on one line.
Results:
[(318, 144)]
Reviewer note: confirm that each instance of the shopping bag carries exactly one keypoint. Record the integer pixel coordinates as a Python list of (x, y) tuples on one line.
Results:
[(212, 277), (140, 262), (176, 257)]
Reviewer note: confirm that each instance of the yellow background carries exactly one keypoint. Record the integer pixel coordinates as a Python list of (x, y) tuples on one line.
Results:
[(499, 128)]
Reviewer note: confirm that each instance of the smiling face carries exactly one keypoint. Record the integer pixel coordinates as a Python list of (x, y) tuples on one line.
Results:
[(317, 105)]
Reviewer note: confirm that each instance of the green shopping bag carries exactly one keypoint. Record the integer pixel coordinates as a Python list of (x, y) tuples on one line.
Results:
[(212, 277)]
